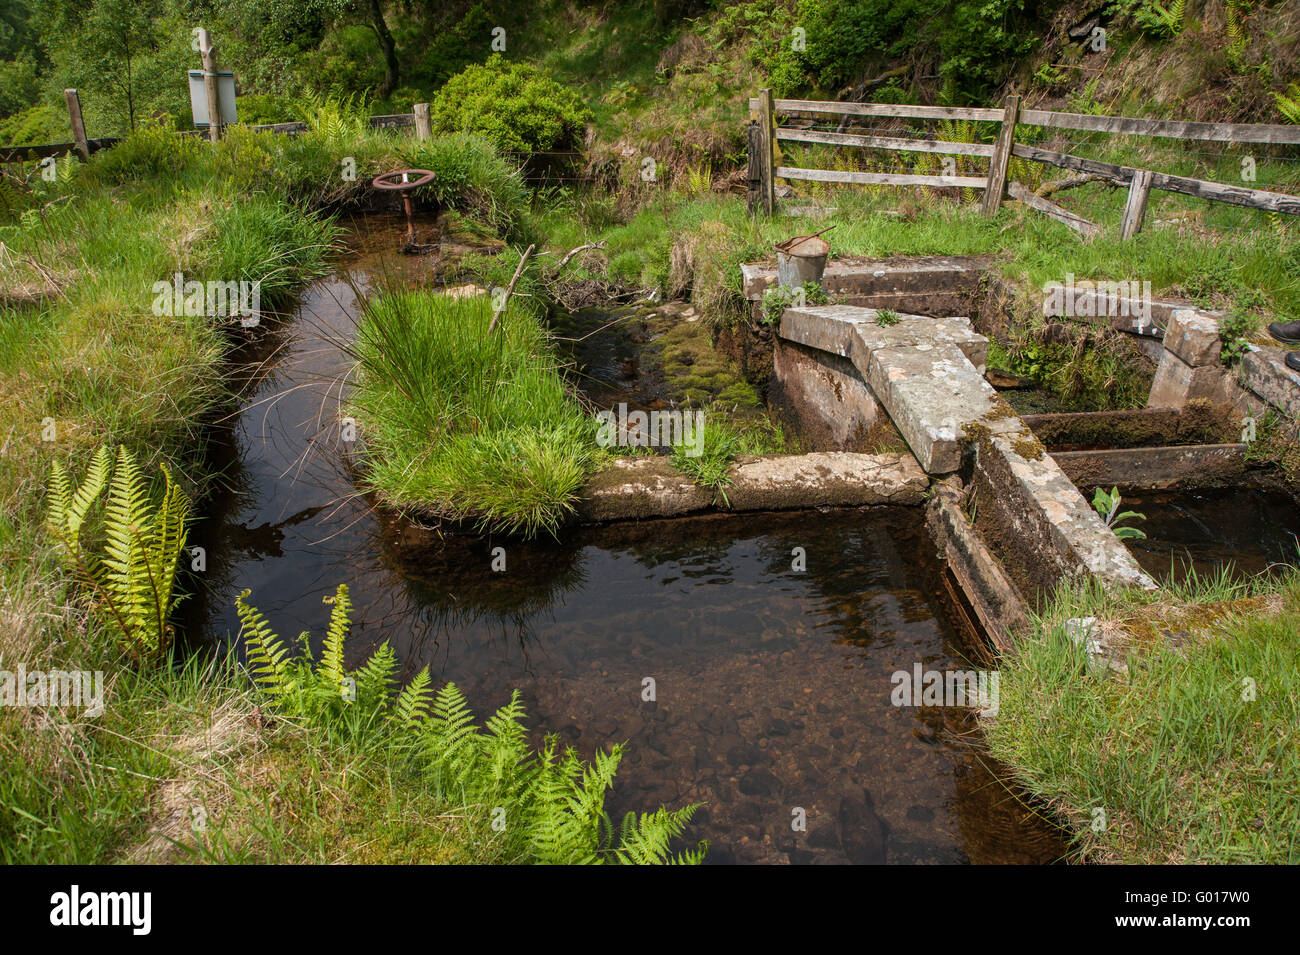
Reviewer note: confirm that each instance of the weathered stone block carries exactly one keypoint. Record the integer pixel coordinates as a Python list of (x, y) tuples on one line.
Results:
[(1194, 337), (931, 392), (1044, 525), (1177, 382), (1264, 372), (825, 394)]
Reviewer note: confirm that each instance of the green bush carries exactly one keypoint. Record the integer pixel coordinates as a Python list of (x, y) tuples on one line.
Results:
[(473, 179), (975, 41), (151, 152), (515, 105)]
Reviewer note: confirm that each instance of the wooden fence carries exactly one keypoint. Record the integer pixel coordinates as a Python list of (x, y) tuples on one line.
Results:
[(765, 133)]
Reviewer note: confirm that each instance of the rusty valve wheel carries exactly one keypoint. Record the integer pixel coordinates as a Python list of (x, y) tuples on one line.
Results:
[(403, 181)]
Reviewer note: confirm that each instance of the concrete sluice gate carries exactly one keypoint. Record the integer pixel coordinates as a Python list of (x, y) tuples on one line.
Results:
[(904, 350)]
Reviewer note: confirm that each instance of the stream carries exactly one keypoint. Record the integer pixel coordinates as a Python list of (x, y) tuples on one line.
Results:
[(771, 685)]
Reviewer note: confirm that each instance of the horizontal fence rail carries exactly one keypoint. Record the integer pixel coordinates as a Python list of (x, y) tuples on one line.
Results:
[(765, 133), (28, 153)]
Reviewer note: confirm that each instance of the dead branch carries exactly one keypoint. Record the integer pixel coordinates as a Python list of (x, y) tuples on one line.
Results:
[(519, 270)]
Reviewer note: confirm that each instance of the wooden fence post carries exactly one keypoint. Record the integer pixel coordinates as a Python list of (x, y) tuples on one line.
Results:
[(423, 121), (767, 150), (209, 55), (754, 174), (1135, 209), (997, 182), (78, 124)]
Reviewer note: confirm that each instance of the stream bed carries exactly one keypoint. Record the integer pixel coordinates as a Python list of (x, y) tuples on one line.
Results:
[(771, 685)]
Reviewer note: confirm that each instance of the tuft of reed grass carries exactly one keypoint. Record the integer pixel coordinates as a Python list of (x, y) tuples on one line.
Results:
[(464, 423)]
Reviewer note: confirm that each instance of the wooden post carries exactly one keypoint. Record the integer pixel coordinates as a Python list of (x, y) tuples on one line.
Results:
[(754, 174), (1135, 209), (78, 124), (997, 183), (423, 121), (767, 151), (209, 54)]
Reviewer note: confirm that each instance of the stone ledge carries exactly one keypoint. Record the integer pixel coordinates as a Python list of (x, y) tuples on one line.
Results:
[(853, 331), (636, 488), (1075, 536), (853, 275), (932, 392), (1264, 372)]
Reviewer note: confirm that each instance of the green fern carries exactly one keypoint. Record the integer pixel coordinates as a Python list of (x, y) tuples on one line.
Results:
[(330, 670), (552, 801), (264, 653), (135, 577), (1288, 103)]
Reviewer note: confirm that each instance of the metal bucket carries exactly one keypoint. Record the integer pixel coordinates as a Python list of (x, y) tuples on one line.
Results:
[(801, 260)]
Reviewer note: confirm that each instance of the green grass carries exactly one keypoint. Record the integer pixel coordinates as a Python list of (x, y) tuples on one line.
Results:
[(1184, 765), (467, 423), (84, 361), (722, 441)]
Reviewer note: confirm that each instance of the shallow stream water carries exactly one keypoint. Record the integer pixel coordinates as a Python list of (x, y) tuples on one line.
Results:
[(771, 686)]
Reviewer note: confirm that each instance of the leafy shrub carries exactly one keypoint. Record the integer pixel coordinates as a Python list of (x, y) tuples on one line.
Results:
[(153, 151), (553, 802), (976, 41), (143, 540), (1234, 333), (515, 105), (778, 298), (473, 178)]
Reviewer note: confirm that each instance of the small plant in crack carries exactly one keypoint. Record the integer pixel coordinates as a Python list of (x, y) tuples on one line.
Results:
[(1106, 504)]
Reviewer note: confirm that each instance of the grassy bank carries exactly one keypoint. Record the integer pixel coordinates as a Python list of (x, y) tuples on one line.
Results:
[(188, 760), (1188, 755)]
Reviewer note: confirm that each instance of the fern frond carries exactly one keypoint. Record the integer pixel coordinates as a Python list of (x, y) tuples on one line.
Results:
[(645, 840), (266, 656), (330, 670), (375, 677), (412, 706)]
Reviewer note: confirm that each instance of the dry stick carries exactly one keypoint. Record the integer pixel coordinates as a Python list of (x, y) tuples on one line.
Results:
[(1058, 185), (500, 309), (582, 248)]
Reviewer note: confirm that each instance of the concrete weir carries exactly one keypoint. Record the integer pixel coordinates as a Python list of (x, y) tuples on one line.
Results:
[(927, 374), (638, 488)]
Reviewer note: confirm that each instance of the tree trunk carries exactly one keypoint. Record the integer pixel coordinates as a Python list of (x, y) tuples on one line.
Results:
[(387, 45)]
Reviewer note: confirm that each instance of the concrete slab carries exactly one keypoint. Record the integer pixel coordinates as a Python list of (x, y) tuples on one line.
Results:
[(931, 392), (637, 488), (854, 331), (825, 395), (1038, 522), (997, 603), (1195, 465), (1264, 372), (858, 276)]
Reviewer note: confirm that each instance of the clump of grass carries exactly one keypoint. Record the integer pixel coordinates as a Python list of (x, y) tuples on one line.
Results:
[(1189, 754), (722, 441), (465, 423)]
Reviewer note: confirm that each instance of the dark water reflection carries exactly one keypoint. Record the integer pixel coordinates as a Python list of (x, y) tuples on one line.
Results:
[(1244, 528), (771, 687)]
